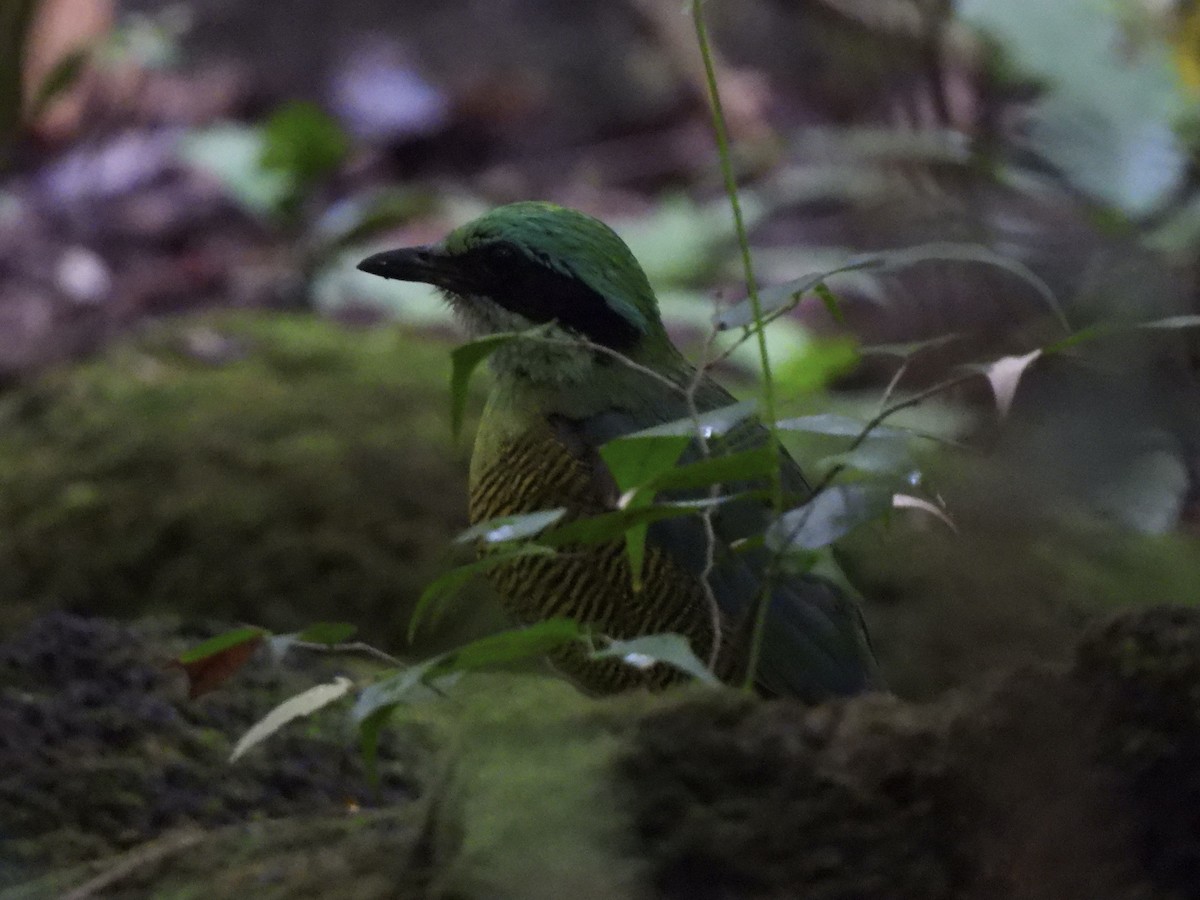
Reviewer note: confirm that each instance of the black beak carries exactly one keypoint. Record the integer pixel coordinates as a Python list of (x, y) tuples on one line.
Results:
[(428, 264)]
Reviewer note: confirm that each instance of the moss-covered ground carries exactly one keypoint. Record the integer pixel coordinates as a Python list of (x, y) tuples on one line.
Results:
[(277, 469)]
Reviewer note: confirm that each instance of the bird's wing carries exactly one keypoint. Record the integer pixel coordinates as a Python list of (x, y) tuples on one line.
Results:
[(815, 644)]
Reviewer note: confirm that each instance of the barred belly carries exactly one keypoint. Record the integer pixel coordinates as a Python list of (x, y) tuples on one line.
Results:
[(588, 583)]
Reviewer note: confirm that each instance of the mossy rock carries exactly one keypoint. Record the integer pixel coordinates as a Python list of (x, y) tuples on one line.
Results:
[(1046, 782), (266, 468), (102, 751), (1015, 582)]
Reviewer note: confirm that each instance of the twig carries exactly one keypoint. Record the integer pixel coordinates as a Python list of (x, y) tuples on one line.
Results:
[(141, 856)]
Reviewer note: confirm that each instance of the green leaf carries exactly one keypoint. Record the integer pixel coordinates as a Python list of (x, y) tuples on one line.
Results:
[(409, 683), (709, 424), (1082, 336), (304, 704), (388, 692), (1104, 329), (613, 525), (635, 459), (746, 465), (879, 457), (464, 359), (672, 649), (443, 587), (833, 513), (510, 646), (303, 142), (825, 565), (60, 79), (368, 740), (232, 154), (832, 305), (504, 529), (835, 425), (635, 552), (222, 642), (823, 360), (410, 686), (327, 633)]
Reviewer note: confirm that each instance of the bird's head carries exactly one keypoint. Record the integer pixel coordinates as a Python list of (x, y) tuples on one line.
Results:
[(531, 263)]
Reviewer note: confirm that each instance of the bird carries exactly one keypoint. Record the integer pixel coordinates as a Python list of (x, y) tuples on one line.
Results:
[(599, 365)]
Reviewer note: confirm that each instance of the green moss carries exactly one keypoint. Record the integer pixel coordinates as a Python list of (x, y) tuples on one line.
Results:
[(1014, 583), (276, 469)]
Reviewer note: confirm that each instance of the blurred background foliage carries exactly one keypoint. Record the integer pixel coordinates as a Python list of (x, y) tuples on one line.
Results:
[(292, 461)]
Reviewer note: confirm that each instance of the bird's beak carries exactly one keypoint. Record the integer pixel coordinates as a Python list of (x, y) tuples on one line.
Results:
[(429, 264)]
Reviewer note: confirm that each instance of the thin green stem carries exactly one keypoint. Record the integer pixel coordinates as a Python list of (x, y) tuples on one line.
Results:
[(768, 389)]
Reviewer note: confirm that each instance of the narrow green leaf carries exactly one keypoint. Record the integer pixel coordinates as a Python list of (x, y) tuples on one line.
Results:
[(832, 305), (835, 425), (443, 587), (613, 525), (635, 552), (464, 359), (1082, 336), (223, 642), (303, 704), (60, 79), (390, 690), (834, 512), (877, 457), (1104, 329), (709, 424), (672, 649), (412, 682), (504, 529), (509, 646), (368, 741)]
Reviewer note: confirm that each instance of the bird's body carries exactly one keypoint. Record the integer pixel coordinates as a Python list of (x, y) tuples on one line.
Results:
[(556, 402)]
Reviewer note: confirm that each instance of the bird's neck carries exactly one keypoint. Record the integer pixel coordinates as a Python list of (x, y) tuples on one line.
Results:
[(542, 355), (549, 356)]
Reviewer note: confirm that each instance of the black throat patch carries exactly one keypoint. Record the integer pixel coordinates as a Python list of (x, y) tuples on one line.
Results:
[(504, 273)]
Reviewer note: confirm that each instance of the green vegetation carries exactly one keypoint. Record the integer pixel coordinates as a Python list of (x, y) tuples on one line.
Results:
[(274, 469)]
